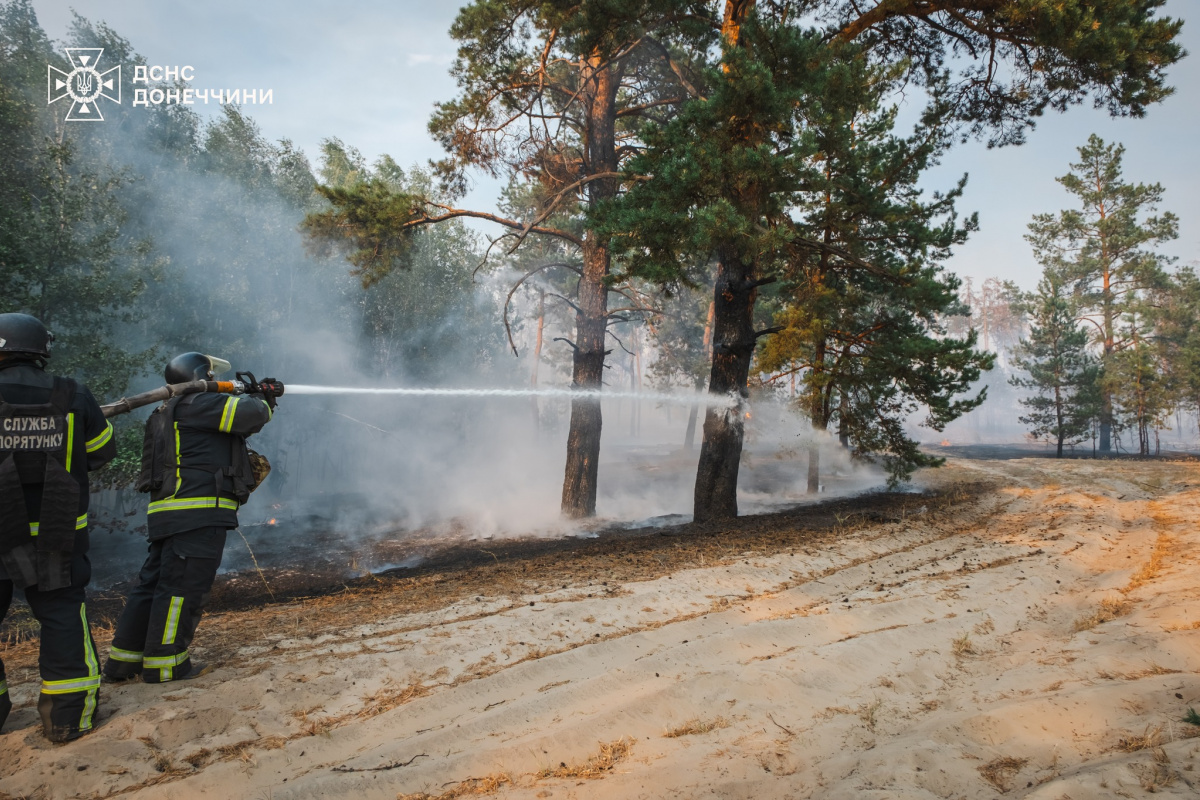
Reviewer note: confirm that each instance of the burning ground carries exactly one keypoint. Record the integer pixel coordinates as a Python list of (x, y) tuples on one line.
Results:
[(1027, 627)]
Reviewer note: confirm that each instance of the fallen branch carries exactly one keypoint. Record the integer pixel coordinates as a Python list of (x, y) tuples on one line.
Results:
[(384, 768)]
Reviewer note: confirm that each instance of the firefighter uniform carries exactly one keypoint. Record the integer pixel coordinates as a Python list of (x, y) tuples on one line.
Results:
[(52, 433), (194, 497)]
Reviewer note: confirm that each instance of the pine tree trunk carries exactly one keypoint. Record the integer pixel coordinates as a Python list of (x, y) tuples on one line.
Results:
[(844, 420), (1106, 400), (814, 467), (816, 412), (733, 347), (689, 440), (601, 83), (583, 437), (724, 424)]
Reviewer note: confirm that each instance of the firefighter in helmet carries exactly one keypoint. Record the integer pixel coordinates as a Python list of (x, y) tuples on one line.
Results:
[(196, 468), (52, 433)]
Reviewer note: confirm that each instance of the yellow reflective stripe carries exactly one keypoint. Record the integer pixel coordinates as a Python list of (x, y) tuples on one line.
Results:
[(128, 656), (88, 684), (165, 662), (172, 627), (101, 440), (3, 687), (70, 438), (227, 415), (81, 522), (191, 504), (89, 655), (178, 475)]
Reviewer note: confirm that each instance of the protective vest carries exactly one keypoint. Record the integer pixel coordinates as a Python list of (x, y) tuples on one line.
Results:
[(206, 487), (37, 449)]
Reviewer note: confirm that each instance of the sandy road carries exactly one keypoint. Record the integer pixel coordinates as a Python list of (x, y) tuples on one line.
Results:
[(1041, 640)]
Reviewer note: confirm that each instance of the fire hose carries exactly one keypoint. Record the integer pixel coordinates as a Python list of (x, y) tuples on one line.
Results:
[(269, 388)]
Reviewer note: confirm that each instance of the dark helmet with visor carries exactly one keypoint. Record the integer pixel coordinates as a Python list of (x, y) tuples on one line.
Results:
[(25, 335), (194, 367)]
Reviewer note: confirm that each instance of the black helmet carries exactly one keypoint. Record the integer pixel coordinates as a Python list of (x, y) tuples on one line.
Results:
[(21, 333), (193, 367)]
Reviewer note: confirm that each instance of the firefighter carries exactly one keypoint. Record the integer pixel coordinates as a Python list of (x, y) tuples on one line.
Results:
[(52, 433), (196, 467)]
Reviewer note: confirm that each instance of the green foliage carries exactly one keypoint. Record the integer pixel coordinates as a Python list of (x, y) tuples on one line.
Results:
[(1014, 59), (123, 470), (1179, 333), (422, 315), (1061, 372), (790, 163), (1104, 251), (723, 167), (65, 255), (368, 214), (1191, 718)]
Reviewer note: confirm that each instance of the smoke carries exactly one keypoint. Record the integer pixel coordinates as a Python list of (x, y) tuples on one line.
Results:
[(455, 447)]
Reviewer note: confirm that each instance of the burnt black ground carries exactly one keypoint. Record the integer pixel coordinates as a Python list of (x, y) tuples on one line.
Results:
[(615, 554)]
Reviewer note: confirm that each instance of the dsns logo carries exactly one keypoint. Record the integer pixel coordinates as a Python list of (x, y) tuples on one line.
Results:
[(85, 84)]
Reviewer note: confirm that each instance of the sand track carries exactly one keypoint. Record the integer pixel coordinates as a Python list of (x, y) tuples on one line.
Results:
[(1040, 639)]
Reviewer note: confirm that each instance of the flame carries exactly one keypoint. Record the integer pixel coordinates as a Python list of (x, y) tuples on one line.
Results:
[(272, 521), (945, 442)]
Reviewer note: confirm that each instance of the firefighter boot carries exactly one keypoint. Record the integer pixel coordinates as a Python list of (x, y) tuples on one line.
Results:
[(57, 732)]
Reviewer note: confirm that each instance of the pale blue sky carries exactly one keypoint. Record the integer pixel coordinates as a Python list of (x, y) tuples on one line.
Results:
[(369, 72)]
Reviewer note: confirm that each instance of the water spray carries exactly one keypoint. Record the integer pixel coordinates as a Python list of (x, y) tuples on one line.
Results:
[(685, 399), (272, 389)]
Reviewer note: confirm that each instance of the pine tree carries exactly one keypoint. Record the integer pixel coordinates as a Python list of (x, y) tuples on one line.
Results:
[(1180, 313), (65, 256), (1061, 373), (862, 314), (551, 92), (716, 179), (1103, 250)]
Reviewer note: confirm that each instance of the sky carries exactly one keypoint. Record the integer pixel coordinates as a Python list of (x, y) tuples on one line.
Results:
[(369, 72)]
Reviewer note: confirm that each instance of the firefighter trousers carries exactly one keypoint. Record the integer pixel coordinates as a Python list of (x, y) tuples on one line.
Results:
[(67, 659), (161, 614)]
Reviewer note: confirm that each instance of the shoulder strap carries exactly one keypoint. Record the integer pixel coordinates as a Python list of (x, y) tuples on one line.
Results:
[(62, 394)]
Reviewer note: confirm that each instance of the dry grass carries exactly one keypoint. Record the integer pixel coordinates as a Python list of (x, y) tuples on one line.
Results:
[(962, 646), (1154, 776), (1183, 626), (695, 726), (829, 712), (20, 627), (471, 786), (869, 714), (985, 627), (388, 697), (1152, 737), (1001, 771), (1153, 669), (1164, 546), (598, 765), (1110, 608)]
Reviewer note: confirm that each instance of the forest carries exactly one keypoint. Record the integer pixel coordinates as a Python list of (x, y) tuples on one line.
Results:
[(709, 197), (699, 461)]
